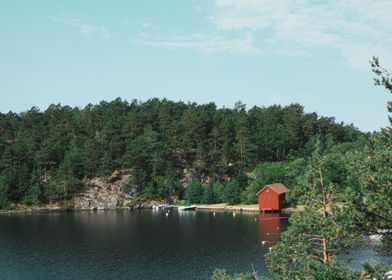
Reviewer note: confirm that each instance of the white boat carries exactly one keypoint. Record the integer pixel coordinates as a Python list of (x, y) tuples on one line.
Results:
[(187, 208), (161, 206)]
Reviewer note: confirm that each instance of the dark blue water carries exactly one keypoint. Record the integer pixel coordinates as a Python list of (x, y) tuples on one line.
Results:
[(133, 245)]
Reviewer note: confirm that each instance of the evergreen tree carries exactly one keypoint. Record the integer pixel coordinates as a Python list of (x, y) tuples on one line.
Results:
[(232, 192), (194, 192), (383, 78), (4, 196), (370, 171), (319, 233), (209, 196)]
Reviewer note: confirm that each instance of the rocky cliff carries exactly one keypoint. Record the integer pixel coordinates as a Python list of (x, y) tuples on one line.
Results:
[(105, 193)]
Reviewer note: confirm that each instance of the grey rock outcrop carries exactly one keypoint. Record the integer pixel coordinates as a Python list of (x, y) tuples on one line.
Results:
[(190, 175), (100, 193)]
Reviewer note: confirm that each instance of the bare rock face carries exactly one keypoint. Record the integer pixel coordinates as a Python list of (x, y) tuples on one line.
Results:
[(190, 175), (100, 193)]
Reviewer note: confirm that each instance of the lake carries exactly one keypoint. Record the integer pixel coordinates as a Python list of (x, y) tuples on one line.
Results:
[(122, 244), (146, 244)]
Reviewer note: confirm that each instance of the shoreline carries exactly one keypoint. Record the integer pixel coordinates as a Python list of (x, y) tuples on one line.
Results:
[(252, 208), (226, 207)]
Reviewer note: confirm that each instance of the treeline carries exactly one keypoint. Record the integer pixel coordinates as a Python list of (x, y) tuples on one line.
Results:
[(44, 155), (242, 188)]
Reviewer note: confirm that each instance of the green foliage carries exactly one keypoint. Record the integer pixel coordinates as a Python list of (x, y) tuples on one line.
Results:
[(68, 205), (232, 192), (383, 78), (371, 172), (265, 173), (248, 196), (299, 254), (324, 229), (221, 274), (286, 172), (376, 271), (218, 191), (161, 187), (59, 188), (336, 170), (4, 200), (209, 196), (194, 192), (32, 195), (334, 271), (155, 139), (346, 190), (270, 172)]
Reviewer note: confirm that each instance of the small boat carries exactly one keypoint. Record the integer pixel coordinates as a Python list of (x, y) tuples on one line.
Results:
[(187, 208), (161, 206)]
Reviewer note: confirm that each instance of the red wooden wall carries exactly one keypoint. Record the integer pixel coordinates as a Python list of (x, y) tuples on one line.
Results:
[(270, 200)]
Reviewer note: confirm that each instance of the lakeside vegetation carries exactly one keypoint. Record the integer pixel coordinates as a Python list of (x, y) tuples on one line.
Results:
[(346, 190)]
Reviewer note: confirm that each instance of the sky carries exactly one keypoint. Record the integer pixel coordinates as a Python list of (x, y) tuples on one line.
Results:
[(260, 52)]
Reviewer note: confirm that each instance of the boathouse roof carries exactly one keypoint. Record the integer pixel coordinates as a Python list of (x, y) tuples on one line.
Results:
[(279, 188)]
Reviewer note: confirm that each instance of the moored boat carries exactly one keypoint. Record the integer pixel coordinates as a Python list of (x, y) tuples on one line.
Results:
[(187, 208), (161, 206)]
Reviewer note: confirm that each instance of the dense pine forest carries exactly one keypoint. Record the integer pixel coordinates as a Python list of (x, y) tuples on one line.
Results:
[(44, 155)]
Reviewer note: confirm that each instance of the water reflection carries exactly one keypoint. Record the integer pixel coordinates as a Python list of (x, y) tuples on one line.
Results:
[(270, 226), (186, 213), (132, 244)]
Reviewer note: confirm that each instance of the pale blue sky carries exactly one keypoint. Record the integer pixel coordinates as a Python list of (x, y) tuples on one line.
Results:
[(313, 52)]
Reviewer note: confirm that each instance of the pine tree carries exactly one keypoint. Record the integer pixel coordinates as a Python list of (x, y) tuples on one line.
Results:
[(384, 78), (194, 192), (4, 196), (209, 196), (319, 233), (232, 192)]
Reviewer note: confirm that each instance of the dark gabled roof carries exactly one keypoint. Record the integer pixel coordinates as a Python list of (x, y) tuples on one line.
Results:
[(279, 188)]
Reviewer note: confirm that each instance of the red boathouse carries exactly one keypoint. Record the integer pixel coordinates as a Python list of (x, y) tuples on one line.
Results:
[(272, 197)]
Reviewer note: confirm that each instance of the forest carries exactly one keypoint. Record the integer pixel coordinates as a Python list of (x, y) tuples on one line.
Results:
[(44, 155)]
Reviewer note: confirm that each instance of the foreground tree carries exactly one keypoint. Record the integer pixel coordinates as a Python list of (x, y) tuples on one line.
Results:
[(325, 228), (371, 173), (221, 274), (335, 214), (371, 170), (383, 78)]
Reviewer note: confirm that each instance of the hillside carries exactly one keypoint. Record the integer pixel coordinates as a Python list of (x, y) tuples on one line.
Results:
[(46, 155)]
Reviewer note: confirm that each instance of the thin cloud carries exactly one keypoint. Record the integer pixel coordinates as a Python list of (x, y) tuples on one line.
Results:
[(204, 43), (147, 24), (357, 29), (83, 27)]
